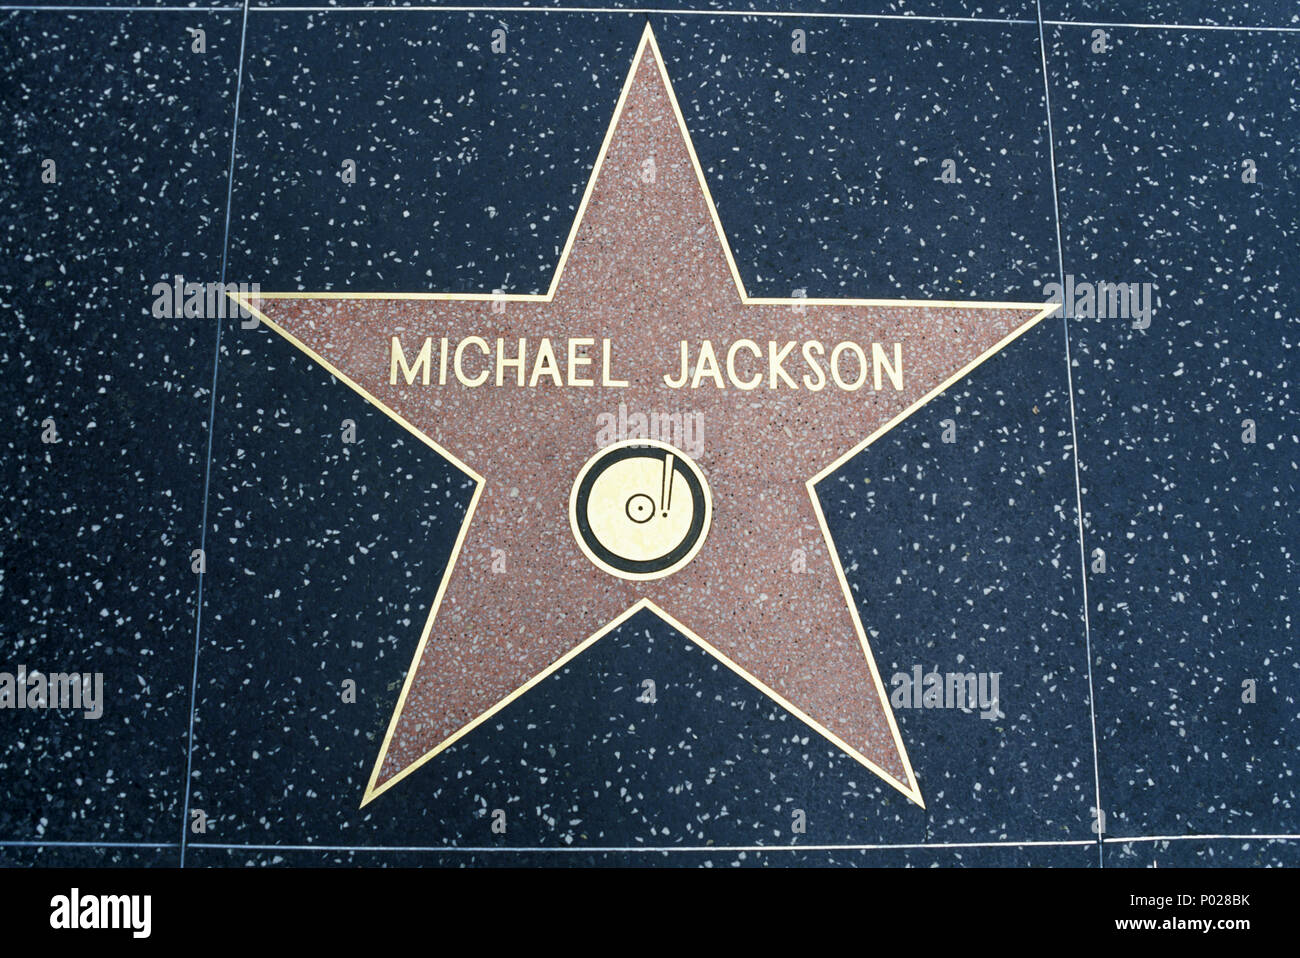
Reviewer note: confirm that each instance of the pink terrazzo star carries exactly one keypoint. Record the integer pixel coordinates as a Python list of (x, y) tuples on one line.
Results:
[(646, 269)]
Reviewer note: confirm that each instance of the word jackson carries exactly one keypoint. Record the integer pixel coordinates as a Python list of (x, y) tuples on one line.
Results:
[(740, 364)]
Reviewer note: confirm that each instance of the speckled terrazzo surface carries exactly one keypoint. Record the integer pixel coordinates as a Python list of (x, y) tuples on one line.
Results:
[(323, 557)]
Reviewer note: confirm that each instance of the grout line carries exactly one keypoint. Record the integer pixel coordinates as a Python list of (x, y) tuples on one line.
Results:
[(620, 849), (1170, 26), (635, 11), (649, 11), (106, 8), (764, 14), (1074, 443), (207, 471), (1203, 838), (27, 844), (697, 849)]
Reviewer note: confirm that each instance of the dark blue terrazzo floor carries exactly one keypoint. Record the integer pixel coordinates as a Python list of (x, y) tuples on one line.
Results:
[(322, 557)]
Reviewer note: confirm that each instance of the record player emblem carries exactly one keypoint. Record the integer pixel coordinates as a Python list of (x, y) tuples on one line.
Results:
[(640, 509)]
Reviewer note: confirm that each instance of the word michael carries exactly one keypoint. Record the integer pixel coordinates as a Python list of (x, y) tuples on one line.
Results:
[(950, 690), (683, 430), (742, 364), (74, 910), (58, 690)]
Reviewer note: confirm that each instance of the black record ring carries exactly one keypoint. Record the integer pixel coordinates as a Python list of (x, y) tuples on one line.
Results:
[(633, 566)]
